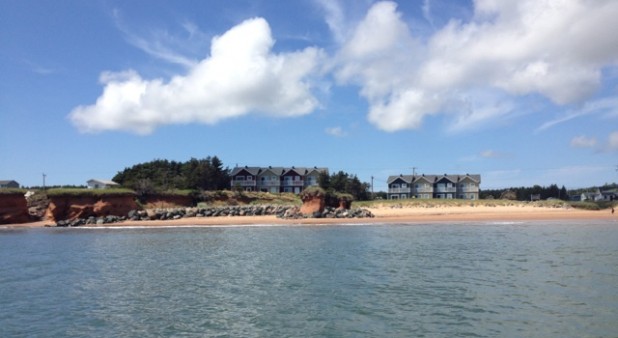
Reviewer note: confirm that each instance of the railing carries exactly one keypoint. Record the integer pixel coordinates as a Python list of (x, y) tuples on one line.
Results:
[(243, 183), (475, 189), (293, 183), (270, 183), (424, 190), (398, 190), (444, 189)]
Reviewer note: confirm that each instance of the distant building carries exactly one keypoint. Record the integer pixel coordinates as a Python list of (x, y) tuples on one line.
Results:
[(101, 184), (8, 184), (275, 179), (434, 186), (588, 196)]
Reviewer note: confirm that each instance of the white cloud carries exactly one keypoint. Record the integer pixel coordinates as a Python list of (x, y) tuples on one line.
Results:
[(335, 18), (613, 141), (241, 76), (161, 44), (335, 131), (607, 107), (554, 49), (489, 154), (583, 142)]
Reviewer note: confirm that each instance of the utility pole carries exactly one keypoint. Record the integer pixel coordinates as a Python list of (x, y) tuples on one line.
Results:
[(44, 180), (414, 171), (372, 195)]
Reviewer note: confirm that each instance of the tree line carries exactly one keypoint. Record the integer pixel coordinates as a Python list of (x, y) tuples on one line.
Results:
[(163, 175), (526, 193)]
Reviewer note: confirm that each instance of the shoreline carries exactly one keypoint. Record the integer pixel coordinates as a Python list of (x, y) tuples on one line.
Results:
[(383, 215)]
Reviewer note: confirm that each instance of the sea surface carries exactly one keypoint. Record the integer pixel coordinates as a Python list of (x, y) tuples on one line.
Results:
[(525, 279)]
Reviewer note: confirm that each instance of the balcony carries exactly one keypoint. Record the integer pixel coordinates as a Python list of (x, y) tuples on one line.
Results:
[(445, 190), (424, 190), (270, 183), (464, 190), (243, 184), (399, 190), (293, 183)]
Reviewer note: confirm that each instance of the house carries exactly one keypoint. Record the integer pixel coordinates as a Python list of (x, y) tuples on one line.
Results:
[(275, 179), (101, 184), (434, 186), (8, 184)]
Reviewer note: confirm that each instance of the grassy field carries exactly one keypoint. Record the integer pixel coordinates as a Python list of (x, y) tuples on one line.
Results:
[(435, 203)]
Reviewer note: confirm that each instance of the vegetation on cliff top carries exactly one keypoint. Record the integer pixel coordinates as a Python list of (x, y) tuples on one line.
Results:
[(90, 192), (12, 191)]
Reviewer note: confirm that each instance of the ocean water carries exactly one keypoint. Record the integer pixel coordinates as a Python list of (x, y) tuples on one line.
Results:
[(527, 279)]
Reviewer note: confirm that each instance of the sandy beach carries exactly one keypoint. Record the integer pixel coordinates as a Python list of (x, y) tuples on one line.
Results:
[(388, 215)]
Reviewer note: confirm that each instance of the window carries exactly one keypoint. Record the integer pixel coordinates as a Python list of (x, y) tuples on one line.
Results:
[(249, 178), (240, 178), (404, 185), (394, 186)]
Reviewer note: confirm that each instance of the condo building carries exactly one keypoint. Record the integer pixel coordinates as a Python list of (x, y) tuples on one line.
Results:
[(275, 179), (434, 186)]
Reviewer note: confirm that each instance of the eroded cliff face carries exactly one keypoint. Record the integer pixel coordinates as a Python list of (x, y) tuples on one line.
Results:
[(312, 205), (13, 208), (165, 200), (70, 207)]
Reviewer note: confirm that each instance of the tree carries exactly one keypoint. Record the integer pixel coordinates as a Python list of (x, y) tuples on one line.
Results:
[(343, 182), (195, 174)]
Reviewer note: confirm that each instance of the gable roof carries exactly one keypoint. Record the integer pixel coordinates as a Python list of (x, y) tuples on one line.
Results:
[(302, 171), (404, 178), (434, 178), (251, 170)]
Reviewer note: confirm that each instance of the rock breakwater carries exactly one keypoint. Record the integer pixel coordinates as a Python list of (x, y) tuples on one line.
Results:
[(280, 211)]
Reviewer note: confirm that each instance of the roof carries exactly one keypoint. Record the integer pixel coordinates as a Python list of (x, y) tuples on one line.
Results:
[(434, 178), (251, 170), (106, 182), (405, 178), (303, 171), (7, 181)]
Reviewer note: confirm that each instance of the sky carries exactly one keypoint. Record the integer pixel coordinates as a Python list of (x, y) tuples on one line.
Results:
[(520, 92)]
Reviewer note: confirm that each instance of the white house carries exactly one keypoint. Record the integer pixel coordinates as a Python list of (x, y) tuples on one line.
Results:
[(101, 184)]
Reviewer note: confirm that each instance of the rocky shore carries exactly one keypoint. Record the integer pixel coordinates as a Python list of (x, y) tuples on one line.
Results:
[(280, 211)]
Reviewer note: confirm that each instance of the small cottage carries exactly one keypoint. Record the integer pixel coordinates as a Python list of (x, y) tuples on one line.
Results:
[(8, 184), (101, 184)]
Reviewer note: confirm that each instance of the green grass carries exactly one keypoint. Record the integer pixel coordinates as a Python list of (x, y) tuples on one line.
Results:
[(12, 191), (89, 192)]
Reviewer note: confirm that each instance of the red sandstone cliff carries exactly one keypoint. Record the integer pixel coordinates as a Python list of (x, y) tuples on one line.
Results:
[(13, 208), (69, 207)]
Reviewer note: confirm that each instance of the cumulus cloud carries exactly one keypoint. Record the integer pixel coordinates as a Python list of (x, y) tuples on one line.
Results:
[(514, 48), (583, 142), (242, 75)]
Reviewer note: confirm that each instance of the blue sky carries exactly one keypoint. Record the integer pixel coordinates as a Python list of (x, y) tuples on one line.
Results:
[(521, 92)]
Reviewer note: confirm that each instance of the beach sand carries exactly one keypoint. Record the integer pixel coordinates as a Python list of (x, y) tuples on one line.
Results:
[(387, 215)]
